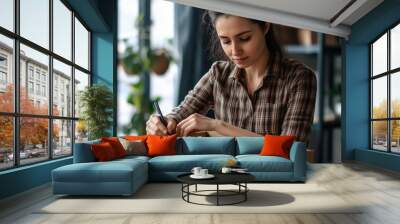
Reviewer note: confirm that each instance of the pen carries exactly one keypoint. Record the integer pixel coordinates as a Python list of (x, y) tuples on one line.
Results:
[(155, 104)]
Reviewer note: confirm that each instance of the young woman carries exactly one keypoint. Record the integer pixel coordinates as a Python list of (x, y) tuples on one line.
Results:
[(254, 91)]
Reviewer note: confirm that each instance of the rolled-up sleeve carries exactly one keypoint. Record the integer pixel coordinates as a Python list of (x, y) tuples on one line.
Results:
[(300, 111), (198, 100)]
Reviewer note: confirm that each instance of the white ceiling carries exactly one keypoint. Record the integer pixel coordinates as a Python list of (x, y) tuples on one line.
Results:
[(325, 16)]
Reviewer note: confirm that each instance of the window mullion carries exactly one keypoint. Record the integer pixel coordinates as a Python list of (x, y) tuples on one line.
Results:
[(16, 84), (389, 76), (73, 82), (50, 81), (371, 89)]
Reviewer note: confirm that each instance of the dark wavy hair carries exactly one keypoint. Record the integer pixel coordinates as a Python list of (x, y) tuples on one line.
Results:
[(217, 53)]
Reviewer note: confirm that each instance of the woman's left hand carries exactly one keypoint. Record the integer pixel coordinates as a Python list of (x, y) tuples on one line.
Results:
[(195, 122)]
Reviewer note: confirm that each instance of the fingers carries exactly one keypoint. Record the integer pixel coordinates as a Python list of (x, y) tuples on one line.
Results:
[(171, 127), (154, 126), (187, 125)]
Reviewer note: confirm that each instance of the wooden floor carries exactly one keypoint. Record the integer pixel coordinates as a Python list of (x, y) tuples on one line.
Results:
[(378, 188)]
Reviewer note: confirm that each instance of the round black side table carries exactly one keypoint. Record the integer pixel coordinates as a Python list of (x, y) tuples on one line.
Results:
[(238, 179)]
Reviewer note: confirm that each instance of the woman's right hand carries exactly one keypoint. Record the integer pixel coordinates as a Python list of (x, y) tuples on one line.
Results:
[(154, 126)]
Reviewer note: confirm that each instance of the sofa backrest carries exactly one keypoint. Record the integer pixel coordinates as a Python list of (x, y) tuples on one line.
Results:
[(205, 145), (249, 145), (83, 153)]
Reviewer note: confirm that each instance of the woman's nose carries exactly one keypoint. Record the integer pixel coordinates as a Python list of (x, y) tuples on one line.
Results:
[(236, 49)]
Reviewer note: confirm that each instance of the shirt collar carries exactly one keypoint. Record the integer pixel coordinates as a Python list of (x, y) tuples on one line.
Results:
[(236, 71)]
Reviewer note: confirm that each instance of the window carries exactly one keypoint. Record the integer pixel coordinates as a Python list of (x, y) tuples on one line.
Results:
[(385, 94), (7, 14), (81, 45), (3, 72), (30, 72), (6, 89), (3, 61), (3, 78), (54, 128), (34, 25), (62, 74), (62, 29), (37, 75), (30, 87), (44, 91), (38, 89)]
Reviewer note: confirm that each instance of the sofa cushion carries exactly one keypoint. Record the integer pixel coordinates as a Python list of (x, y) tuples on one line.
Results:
[(111, 171), (275, 145), (257, 163), (103, 152), (206, 145), (249, 145), (116, 145), (134, 147), (185, 163), (161, 145), (136, 137)]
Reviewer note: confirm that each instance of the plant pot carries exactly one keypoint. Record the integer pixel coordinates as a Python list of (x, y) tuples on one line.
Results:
[(160, 61)]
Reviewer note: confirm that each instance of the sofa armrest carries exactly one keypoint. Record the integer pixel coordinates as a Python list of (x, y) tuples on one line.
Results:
[(298, 157), (83, 152)]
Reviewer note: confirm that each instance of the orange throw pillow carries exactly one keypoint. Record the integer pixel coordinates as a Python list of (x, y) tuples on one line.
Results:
[(103, 152), (277, 146), (135, 137), (116, 145), (161, 145)]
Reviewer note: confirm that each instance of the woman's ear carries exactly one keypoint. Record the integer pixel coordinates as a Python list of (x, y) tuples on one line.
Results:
[(266, 27)]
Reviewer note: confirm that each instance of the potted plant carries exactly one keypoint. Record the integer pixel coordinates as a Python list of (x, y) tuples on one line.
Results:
[(96, 102)]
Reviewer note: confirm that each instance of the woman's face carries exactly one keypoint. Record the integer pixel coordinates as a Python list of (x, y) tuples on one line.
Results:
[(242, 40)]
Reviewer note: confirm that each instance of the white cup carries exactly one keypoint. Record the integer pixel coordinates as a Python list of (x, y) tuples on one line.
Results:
[(196, 170), (226, 170), (203, 172)]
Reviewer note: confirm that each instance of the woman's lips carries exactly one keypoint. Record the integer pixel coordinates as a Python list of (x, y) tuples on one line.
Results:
[(240, 59)]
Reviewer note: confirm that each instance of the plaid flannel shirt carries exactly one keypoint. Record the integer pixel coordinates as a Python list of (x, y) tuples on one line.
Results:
[(283, 103)]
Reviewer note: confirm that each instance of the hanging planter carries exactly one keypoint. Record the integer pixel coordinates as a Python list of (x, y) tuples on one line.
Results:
[(160, 60), (133, 62)]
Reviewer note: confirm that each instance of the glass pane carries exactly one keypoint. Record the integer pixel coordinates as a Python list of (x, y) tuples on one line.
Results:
[(161, 30), (395, 94), (35, 21), (33, 139), (7, 14), (6, 142), (62, 141), (379, 135), (379, 55), (395, 47), (395, 136), (81, 131), (62, 89), (81, 45), (81, 81), (34, 92), (62, 29), (6, 74), (379, 97)]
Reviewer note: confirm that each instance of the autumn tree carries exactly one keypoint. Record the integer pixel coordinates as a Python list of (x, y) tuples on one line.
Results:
[(380, 127), (33, 130)]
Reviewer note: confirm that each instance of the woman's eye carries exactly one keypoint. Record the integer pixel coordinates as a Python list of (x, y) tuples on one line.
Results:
[(226, 42), (244, 39)]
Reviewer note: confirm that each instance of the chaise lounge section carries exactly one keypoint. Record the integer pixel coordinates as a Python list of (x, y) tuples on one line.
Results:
[(125, 176)]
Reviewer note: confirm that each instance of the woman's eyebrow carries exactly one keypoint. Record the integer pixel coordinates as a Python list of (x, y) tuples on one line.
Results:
[(239, 34)]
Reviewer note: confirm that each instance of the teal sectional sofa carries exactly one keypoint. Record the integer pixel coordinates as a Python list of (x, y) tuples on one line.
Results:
[(125, 176)]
